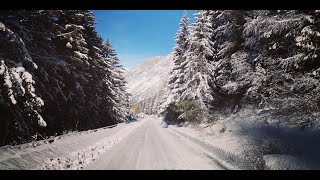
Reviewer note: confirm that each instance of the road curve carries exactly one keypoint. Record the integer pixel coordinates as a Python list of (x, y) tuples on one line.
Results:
[(151, 147)]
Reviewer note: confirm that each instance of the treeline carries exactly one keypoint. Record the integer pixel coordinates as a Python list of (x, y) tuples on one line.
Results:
[(231, 59), (56, 75)]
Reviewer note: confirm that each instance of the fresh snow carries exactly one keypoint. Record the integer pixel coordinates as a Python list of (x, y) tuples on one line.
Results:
[(283, 162), (69, 151), (241, 142), (147, 80), (152, 147)]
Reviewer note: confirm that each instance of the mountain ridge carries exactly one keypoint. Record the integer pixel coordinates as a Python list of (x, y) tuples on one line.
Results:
[(147, 80)]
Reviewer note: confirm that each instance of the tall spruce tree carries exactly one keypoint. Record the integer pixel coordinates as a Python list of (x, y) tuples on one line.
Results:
[(19, 103), (118, 83), (55, 61), (198, 70), (230, 63), (173, 89)]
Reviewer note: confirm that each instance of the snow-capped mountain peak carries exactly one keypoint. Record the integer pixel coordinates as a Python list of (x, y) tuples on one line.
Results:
[(147, 79)]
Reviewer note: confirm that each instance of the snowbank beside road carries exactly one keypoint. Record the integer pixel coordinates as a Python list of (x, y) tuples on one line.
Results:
[(244, 143), (69, 151)]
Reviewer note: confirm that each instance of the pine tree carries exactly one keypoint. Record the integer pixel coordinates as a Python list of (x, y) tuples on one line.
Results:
[(120, 87), (231, 67), (17, 92), (95, 85), (197, 79), (43, 44), (118, 83), (54, 64), (285, 61), (173, 89)]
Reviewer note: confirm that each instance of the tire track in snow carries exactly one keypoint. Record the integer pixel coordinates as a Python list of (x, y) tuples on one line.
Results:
[(79, 159)]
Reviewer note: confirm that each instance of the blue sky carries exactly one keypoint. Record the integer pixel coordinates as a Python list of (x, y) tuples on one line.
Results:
[(139, 34)]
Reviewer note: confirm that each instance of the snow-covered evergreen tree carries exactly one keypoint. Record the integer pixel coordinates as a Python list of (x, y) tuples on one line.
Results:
[(58, 56), (285, 61), (118, 83), (231, 68), (17, 92), (55, 64), (198, 70), (173, 89)]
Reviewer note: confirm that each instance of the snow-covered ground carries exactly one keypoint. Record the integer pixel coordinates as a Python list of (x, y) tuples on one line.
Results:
[(151, 147), (229, 143), (240, 142), (70, 151)]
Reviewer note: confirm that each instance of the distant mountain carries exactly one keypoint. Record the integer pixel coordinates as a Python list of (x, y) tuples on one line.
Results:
[(147, 80)]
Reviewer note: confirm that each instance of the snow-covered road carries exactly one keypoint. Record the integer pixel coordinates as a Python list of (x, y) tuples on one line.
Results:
[(152, 147)]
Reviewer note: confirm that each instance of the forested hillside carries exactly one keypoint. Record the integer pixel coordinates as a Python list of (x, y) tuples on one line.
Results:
[(239, 90), (56, 75), (230, 60), (146, 82)]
